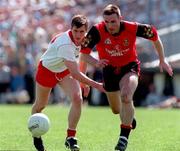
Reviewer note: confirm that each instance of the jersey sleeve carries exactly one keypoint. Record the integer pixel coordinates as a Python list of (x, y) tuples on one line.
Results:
[(66, 52), (92, 38), (147, 31)]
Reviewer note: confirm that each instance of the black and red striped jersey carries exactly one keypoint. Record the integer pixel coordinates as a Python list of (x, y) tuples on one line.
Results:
[(120, 48)]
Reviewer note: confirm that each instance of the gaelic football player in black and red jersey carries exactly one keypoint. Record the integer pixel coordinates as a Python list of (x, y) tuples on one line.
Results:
[(115, 40), (58, 65)]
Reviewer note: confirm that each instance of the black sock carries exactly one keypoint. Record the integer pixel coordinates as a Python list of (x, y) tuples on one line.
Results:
[(38, 143), (125, 132)]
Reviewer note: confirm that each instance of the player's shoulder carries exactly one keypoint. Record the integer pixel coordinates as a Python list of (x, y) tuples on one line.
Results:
[(129, 25), (100, 25), (62, 39)]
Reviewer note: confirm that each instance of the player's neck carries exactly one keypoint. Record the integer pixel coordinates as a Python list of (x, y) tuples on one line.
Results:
[(72, 38)]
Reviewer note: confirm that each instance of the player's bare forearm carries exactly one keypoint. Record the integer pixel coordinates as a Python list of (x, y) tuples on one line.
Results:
[(75, 72), (159, 48), (94, 62), (89, 59), (82, 64), (163, 64), (83, 68)]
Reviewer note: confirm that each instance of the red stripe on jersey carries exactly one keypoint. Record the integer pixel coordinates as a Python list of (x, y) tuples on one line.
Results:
[(155, 37), (54, 38)]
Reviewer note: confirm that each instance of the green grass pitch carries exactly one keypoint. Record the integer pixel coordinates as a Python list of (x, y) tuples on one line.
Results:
[(98, 129)]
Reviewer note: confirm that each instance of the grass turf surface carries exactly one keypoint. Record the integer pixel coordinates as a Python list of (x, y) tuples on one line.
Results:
[(98, 129)]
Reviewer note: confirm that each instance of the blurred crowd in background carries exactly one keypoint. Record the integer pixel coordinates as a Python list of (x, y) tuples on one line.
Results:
[(26, 26)]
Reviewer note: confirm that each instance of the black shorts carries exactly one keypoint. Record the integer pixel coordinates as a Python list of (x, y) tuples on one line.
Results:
[(112, 75)]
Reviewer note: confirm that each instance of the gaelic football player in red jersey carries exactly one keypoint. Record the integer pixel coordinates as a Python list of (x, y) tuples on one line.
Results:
[(115, 40), (58, 66)]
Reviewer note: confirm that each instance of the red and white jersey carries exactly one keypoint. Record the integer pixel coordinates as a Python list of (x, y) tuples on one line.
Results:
[(59, 49)]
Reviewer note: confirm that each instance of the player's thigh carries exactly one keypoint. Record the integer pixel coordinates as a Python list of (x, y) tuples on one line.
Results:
[(128, 84), (71, 87), (114, 101), (42, 94)]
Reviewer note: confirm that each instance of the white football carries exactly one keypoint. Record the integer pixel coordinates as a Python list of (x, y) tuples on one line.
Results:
[(38, 124)]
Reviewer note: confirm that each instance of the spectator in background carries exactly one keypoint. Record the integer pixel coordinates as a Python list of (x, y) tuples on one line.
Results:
[(27, 69), (170, 102), (152, 97), (17, 79), (5, 79), (9, 52), (18, 93)]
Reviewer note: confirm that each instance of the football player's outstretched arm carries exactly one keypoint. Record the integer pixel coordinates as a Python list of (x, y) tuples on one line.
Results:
[(149, 32), (83, 68), (83, 60), (93, 61), (81, 77), (163, 64)]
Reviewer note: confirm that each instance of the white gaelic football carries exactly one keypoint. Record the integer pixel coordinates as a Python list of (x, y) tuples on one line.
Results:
[(38, 124)]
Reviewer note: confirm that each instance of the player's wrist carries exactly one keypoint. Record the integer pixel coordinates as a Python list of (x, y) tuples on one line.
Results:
[(82, 85)]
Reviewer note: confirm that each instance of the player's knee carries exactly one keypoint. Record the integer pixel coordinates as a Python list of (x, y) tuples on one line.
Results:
[(77, 99), (126, 98)]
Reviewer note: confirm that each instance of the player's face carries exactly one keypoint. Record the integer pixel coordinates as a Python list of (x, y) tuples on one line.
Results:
[(78, 34), (112, 23)]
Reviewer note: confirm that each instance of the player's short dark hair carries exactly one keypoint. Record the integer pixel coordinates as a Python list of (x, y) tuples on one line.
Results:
[(112, 9), (79, 21)]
